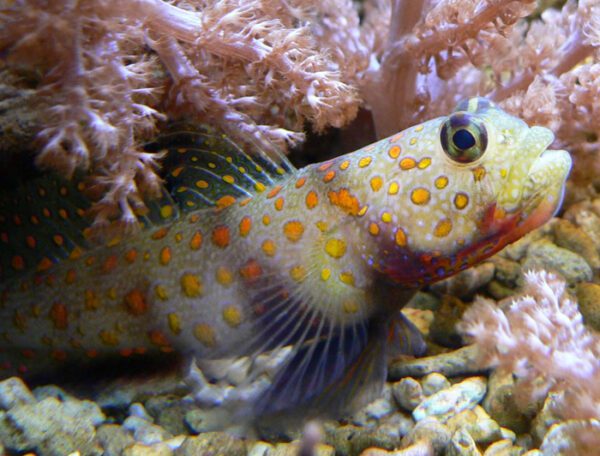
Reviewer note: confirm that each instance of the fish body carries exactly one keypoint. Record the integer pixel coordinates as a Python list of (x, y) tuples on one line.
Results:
[(319, 259)]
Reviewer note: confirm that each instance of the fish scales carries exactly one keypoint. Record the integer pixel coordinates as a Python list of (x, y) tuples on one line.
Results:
[(318, 259)]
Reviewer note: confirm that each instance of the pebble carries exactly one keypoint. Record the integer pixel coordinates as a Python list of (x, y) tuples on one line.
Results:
[(588, 299), (408, 393), (499, 402), (430, 430), (139, 449), (212, 443), (546, 416), (572, 238), (477, 423), (443, 329), (559, 439), (462, 444), (434, 382), (503, 448), (113, 439), (13, 392), (546, 255), (450, 401), (457, 362)]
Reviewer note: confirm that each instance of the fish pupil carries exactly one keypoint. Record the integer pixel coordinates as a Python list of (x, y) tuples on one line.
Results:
[(463, 139)]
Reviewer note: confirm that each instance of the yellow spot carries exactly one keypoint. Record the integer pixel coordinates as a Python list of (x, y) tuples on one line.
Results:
[(478, 173), (298, 273), (196, 241), (376, 183), (174, 322), (191, 285), (393, 188), (161, 292), (400, 237), (293, 230), (279, 203), (245, 226), (165, 256), (322, 226), (394, 152), (260, 187), (300, 182), (266, 220), (166, 211), (461, 200), (441, 182), (386, 217), (364, 162), (269, 247), (224, 276), (329, 175), (229, 179), (443, 228), (347, 278), (212, 165), (312, 200), (109, 338), (363, 210), (91, 300), (424, 163), (325, 274), (503, 172), (178, 237), (407, 163), (114, 241), (350, 306), (419, 128), (420, 196), (201, 184), (335, 248), (205, 334), (232, 316), (220, 236), (344, 165), (413, 141), (374, 228)]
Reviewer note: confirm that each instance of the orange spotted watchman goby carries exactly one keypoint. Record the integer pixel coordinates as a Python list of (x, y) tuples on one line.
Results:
[(245, 255)]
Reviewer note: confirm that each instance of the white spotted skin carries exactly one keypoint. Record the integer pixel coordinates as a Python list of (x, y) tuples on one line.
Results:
[(346, 239)]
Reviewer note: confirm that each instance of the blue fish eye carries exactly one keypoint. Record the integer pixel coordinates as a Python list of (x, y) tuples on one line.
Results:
[(463, 139)]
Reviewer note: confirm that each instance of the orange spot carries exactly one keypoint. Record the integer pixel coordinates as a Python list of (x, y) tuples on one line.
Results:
[(401, 237), (220, 236), (274, 191), (293, 230), (109, 264), (91, 300), (92, 353), (374, 228), (344, 200), (71, 276), (329, 175), (266, 220), (160, 233), (300, 182), (75, 253), (325, 166), (135, 302), (46, 212), (376, 183), (478, 173), (59, 315), (63, 214), (279, 203), (191, 285), (194, 218), (17, 220), (165, 256), (158, 338), (58, 240), (394, 152), (205, 334), (269, 247), (130, 256), (344, 165), (196, 241), (245, 202), (35, 220), (225, 201), (18, 263), (443, 228), (251, 270), (311, 200), (408, 163), (420, 196), (109, 338), (441, 182), (461, 200), (30, 241), (4, 237), (59, 355), (396, 137), (245, 226)]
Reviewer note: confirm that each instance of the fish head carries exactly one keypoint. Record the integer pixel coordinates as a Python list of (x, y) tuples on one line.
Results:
[(469, 184)]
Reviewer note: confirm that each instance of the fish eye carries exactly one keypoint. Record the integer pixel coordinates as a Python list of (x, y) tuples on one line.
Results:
[(463, 137)]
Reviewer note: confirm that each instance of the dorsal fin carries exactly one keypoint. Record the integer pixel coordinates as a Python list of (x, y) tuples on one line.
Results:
[(204, 169)]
